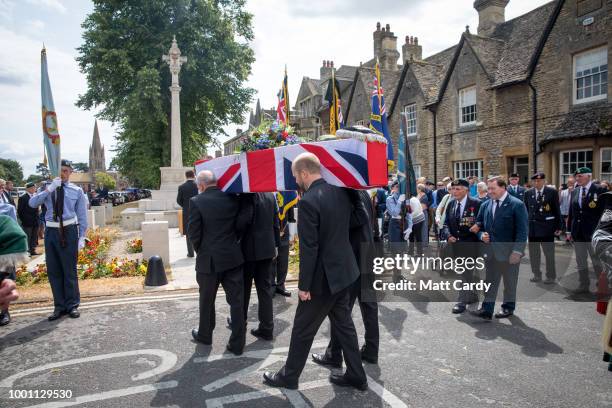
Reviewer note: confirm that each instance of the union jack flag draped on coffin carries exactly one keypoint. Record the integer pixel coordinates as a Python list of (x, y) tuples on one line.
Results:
[(358, 163)]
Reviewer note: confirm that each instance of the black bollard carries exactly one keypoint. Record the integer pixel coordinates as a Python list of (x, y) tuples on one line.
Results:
[(156, 274)]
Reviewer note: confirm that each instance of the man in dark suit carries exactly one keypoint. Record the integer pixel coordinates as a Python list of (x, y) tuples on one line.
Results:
[(502, 224), (544, 223), (327, 270), (186, 191), (584, 214), (515, 189), (29, 217), (361, 238), (260, 246), (461, 212), (214, 230), (281, 263)]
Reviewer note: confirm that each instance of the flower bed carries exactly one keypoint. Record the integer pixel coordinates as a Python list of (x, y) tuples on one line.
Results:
[(92, 261), (134, 246)]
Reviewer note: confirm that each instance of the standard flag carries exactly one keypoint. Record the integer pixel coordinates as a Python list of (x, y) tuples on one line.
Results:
[(335, 106), (282, 110), (378, 117), (51, 137), (405, 169), (285, 200)]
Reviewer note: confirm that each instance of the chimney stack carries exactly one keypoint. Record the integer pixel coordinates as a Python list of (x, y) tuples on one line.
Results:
[(411, 50), (491, 13), (326, 69), (238, 132), (385, 47)]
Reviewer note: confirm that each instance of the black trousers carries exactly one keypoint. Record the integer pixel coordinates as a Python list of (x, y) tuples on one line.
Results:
[(62, 267), (261, 273), (584, 250), (32, 233), (369, 314), (232, 281), (416, 237), (465, 249), (189, 246), (281, 266), (496, 271), (547, 245), (308, 318)]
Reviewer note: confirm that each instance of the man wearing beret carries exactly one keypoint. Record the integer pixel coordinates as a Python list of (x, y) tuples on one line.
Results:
[(544, 223), (66, 224), (29, 217), (461, 213), (514, 189), (584, 213)]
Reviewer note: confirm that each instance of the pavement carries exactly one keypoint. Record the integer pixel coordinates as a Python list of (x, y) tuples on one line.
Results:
[(138, 352)]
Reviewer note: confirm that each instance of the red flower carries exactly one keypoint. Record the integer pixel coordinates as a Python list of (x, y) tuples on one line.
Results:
[(285, 134)]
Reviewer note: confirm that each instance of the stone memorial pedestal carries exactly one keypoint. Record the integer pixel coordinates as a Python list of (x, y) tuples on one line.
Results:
[(155, 240)]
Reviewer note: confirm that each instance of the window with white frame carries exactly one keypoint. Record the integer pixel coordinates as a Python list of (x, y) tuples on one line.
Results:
[(411, 119), (606, 164), (571, 160), (591, 75), (467, 106), (417, 170), (465, 169)]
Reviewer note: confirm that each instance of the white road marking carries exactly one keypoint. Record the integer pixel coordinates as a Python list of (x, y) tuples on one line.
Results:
[(108, 395), (386, 395), (168, 360), (254, 353), (230, 378)]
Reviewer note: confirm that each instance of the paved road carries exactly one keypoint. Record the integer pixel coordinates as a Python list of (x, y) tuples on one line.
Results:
[(138, 352)]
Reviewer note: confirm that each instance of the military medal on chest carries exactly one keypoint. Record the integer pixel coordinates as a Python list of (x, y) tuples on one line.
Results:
[(593, 202)]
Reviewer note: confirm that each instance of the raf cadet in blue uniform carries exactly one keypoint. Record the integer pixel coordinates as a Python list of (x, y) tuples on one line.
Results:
[(66, 224), (515, 189)]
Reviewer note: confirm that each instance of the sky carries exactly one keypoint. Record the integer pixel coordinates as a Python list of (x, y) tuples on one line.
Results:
[(298, 33)]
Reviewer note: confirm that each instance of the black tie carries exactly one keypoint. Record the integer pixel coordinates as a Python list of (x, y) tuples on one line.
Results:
[(58, 212), (495, 208), (458, 212), (539, 196)]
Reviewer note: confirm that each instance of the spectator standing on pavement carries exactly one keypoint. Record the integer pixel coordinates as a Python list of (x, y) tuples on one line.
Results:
[(29, 217), (185, 191)]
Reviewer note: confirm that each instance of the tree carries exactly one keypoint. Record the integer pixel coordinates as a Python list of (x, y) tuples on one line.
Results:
[(80, 167), (43, 170), (104, 180), (34, 178), (11, 170), (121, 57)]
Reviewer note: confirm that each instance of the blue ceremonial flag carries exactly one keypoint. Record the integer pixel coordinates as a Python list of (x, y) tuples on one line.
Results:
[(378, 117), (405, 169), (51, 137)]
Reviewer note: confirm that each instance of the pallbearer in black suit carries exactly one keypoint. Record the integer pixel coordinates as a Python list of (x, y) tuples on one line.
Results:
[(584, 213), (185, 191), (281, 263), (214, 229), (260, 246), (362, 239), (327, 271), (461, 213), (515, 189), (544, 223)]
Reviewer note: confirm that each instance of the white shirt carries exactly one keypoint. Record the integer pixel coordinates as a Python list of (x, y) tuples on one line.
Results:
[(499, 202)]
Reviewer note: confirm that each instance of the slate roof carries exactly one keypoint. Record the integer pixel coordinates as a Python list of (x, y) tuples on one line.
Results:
[(582, 123), (430, 72)]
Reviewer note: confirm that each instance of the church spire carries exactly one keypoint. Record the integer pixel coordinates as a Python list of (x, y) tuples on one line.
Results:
[(97, 161)]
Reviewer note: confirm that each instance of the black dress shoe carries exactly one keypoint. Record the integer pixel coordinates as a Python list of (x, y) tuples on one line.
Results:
[(535, 279), (504, 314), (233, 350), (550, 281), (459, 308), (5, 318), (582, 290), (74, 313), (483, 314), (367, 356), (55, 315), (189, 255), (342, 381), (196, 336), (275, 380), (282, 291), (323, 360), (259, 334)]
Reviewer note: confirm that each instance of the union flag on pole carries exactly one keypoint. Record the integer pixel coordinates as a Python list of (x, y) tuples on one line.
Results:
[(378, 117), (51, 137), (282, 110)]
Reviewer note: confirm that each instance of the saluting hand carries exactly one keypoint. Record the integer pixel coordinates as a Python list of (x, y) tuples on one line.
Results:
[(304, 296)]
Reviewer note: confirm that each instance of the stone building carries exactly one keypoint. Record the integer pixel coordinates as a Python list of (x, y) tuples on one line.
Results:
[(255, 118), (473, 109)]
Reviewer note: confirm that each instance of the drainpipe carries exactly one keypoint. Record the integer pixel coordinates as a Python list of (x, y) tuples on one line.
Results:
[(534, 125), (435, 143)]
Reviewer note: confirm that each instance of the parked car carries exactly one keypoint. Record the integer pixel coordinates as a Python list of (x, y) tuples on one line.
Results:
[(116, 197)]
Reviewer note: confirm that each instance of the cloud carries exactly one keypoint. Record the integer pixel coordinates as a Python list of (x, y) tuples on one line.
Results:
[(11, 79), (349, 8), (6, 10), (55, 5)]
